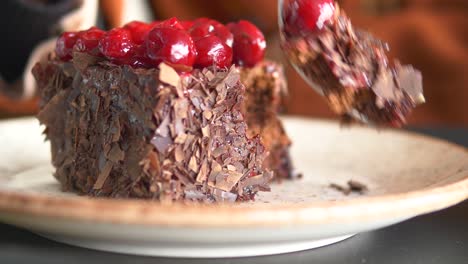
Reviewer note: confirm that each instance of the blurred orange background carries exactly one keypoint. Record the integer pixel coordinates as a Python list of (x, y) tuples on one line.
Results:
[(432, 35)]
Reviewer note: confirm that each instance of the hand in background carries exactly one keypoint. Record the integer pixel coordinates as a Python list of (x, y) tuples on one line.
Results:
[(32, 27)]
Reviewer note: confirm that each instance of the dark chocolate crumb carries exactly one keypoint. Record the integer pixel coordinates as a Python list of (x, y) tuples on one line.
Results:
[(353, 186), (344, 189), (357, 186)]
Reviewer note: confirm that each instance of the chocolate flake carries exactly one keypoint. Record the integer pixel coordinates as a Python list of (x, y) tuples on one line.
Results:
[(116, 154), (227, 180), (168, 75), (344, 189), (179, 154), (161, 143), (357, 186), (103, 175), (207, 114), (352, 186), (206, 131), (193, 164), (203, 173)]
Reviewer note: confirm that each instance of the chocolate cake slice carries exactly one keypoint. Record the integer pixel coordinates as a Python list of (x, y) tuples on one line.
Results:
[(349, 66), (163, 131), (266, 90)]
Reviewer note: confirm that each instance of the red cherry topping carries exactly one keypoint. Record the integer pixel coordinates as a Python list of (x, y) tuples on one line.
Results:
[(203, 27), (140, 59), (249, 43), (308, 16), (225, 34), (186, 24), (213, 51), (170, 23), (64, 45), (117, 44), (154, 23), (88, 41), (203, 42), (203, 20), (170, 45), (139, 31)]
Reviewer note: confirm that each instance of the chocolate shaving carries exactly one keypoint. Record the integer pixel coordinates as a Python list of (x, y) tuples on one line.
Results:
[(228, 180), (203, 173), (161, 143), (357, 186), (116, 154), (103, 175), (410, 80), (168, 75), (193, 164), (352, 186), (345, 190)]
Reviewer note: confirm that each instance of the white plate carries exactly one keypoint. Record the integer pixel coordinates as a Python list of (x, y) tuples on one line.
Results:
[(407, 175)]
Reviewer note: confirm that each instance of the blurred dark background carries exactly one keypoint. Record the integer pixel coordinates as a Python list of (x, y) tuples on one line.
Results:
[(430, 34)]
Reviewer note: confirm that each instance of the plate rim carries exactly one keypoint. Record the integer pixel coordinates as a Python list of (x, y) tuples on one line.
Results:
[(187, 214)]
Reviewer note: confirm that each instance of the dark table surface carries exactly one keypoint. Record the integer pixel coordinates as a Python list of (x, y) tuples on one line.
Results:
[(440, 237)]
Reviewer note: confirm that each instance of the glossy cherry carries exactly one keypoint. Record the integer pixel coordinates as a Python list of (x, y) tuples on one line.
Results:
[(139, 30), (154, 23), (88, 41), (203, 27), (117, 44), (213, 51), (64, 45), (170, 45), (139, 58), (224, 34), (170, 23), (308, 16), (249, 43), (186, 24)]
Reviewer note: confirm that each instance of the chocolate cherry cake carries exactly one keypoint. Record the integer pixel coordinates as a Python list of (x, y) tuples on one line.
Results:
[(169, 110), (348, 65)]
